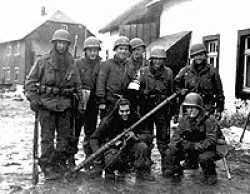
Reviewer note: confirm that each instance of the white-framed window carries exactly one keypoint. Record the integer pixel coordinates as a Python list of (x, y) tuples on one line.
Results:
[(212, 43), (16, 75), (65, 27), (246, 83), (6, 73)]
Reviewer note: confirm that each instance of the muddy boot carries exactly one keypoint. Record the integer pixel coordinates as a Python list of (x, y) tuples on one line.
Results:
[(188, 164), (71, 162), (50, 173), (144, 175), (212, 179), (109, 175), (173, 171)]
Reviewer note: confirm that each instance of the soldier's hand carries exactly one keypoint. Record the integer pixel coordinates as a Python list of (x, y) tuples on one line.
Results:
[(131, 135), (217, 116), (102, 107), (184, 92), (35, 105), (198, 147)]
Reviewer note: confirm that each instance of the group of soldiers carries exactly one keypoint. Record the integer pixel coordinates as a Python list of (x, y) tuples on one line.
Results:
[(68, 94)]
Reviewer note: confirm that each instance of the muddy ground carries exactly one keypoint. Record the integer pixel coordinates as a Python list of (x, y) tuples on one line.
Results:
[(16, 126)]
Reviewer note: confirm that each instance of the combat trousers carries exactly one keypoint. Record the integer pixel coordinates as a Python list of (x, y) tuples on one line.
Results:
[(206, 159), (134, 155), (88, 120), (162, 123), (51, 122)]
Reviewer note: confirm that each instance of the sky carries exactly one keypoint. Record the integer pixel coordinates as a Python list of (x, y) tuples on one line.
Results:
[(17, 15)]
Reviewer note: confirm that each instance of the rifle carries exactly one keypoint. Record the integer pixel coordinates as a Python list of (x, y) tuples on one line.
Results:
[(112, 142), (245, 127), (35, 173)]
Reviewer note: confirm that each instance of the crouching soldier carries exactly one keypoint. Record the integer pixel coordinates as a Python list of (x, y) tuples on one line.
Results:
[(132, 151), (50, 86), (194, 140), (156, 84)]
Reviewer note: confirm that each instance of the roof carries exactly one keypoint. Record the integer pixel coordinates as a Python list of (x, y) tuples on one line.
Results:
[(168, 41), (33, 23), (136, 12)]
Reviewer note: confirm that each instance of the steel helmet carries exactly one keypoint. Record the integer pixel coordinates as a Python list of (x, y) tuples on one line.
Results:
[(91, 42), (136, 42), (61, 34), (158, 53), (193, 99), (122, 40), (197, 48)]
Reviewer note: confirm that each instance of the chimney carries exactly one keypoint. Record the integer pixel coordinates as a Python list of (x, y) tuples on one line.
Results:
[(43, 11)]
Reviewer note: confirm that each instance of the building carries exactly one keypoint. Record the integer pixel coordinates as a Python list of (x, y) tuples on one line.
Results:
[(19, 54), (222, 25)]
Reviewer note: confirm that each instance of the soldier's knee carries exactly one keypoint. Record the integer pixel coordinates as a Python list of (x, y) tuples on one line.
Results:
[(141, 147)]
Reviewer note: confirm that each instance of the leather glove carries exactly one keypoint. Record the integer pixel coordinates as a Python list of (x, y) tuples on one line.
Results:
[(35, 105), (131, 136), (184, 92), (198, 147), (187, 145), (217, 116)]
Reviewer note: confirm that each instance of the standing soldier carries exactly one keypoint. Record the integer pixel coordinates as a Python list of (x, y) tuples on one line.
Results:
[(195, 137), (50, 86), (88, 67), (202, 78), (137, 62), (157, 84), (113, 77)]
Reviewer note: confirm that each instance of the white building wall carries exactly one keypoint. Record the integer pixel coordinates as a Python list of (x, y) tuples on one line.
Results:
[(209, 17), (108, 40)]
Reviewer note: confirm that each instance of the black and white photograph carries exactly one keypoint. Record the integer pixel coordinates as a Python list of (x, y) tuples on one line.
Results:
[(125, 97)]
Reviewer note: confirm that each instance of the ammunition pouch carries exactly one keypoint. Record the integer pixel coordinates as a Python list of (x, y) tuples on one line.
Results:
[(54, 91)]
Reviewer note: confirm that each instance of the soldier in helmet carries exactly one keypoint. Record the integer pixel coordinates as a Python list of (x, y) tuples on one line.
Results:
[(52, 82), (202, 78), (88, 67), (195, 139), (114, 76), (137, 61), (156, 84)]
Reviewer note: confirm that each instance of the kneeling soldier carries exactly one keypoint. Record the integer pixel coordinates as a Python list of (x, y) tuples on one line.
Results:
[(132, 151), (196, 139)]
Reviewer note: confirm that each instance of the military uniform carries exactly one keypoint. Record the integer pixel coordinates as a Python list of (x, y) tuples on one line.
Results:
[(206, 82), (51, 84), (155, 87), (113, 78), (134, 153), (88, 72)]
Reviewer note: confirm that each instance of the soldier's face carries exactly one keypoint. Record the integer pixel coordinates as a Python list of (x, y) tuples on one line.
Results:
[(61, 46), (92, 53), (192, 112), (122, 52), (138, 52), (124, 112), (199, 58), (157, 64)]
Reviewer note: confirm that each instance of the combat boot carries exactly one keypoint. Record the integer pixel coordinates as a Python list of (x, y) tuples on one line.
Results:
[(109, 175), (212, 179), (96, 171), (144, 175), (71, 162), (51, 174), (173, 171), (188, 164)]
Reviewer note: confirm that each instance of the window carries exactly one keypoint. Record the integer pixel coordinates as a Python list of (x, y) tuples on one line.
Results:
[(6, 73), (212, 43), (16, 73), (17, 49), (65, 27), (242, 85)]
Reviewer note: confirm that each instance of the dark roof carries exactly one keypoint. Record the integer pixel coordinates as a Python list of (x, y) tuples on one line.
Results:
[(168, 41), (136, 12)]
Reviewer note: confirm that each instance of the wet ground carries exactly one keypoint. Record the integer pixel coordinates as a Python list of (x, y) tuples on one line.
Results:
[(16, 125)]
